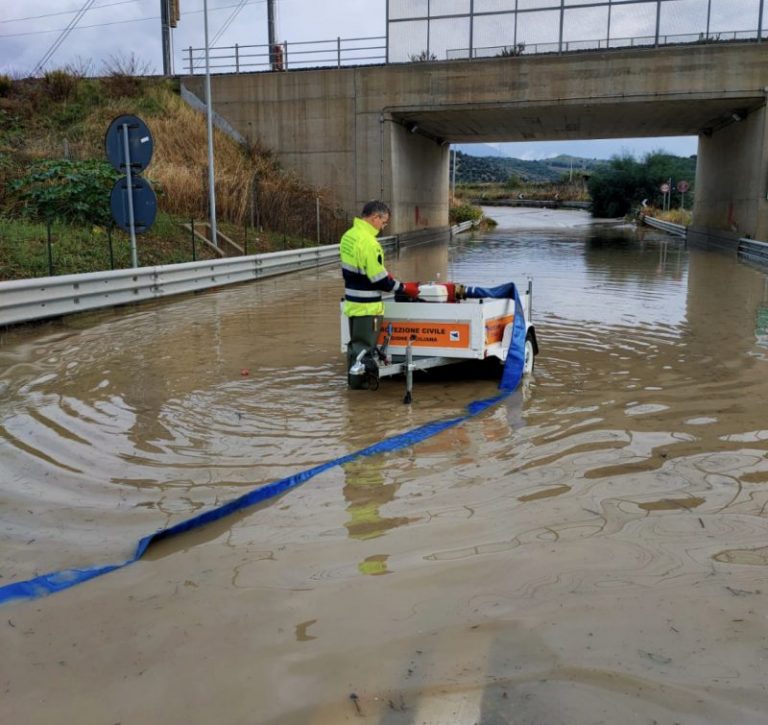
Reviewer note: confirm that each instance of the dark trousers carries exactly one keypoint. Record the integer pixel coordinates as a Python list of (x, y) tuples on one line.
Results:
[(363, 334)]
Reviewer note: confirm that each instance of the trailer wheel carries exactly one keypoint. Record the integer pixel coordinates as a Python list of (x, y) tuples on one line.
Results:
[(530, 355)]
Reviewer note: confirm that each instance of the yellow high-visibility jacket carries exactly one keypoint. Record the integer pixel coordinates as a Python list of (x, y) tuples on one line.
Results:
[(362, 266)]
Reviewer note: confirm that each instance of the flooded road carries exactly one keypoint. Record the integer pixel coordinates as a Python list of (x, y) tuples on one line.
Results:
[(594, 549)]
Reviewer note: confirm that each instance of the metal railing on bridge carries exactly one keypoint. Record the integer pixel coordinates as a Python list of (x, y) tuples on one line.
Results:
[(572, 46), (337, 52), (348, 52)]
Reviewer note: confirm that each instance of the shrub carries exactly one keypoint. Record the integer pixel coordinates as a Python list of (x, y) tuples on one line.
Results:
[(425, 55), (511, 51), (60, 85), (5, 85), (465, 213), (71, 191), (123, 75)]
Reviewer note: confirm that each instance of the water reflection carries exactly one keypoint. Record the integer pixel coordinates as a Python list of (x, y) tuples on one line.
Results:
[(626, 482), (143, 415)]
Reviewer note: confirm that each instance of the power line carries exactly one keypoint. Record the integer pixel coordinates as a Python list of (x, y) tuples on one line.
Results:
[(67, 12), (64, 33), (223, 29), (131, 20), (83, 27)]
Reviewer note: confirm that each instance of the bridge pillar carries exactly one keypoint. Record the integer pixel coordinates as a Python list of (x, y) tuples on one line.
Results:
[(417, 170), (731, 181)]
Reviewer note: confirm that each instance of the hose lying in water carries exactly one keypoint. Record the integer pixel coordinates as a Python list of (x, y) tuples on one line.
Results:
[(53, 582)]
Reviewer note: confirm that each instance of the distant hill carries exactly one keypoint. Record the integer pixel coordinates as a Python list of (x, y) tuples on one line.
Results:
[(498, 169), (479, 149)]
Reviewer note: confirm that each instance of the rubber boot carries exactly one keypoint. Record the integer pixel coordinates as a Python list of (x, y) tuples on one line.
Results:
[(363, 333)]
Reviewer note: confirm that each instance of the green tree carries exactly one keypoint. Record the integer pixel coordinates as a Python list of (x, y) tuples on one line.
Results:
[(625, 182)]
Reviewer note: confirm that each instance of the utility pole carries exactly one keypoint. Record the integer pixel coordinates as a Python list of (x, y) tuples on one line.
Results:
[(169, 17), (209, 119), (271, 33), (453, 175), (166, 32)]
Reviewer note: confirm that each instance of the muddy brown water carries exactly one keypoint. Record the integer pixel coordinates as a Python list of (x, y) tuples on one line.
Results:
[(590, 550)]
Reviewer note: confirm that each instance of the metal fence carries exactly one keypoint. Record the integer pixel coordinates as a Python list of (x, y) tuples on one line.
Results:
[(337, 52), (558, 28), (439, 29)]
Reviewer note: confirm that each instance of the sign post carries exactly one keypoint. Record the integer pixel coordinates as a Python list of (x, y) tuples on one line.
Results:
[(682, 187), (664, 188), (129, 147)]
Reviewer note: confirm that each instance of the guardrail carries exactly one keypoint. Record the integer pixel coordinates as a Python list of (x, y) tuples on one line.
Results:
[(463, 227), (753, 250), (31, 299), (677, 230), (24, 300)]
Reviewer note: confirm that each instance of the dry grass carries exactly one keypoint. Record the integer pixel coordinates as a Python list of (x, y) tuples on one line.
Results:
[(675, 216), (250, 186)]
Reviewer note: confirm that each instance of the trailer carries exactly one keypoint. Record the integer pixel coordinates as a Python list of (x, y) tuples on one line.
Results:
[(443, 328)]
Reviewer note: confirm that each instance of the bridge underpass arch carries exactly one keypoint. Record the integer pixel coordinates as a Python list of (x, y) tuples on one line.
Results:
[(385, 131)]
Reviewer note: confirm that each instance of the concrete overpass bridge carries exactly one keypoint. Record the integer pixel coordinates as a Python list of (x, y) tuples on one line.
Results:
[(384, 131)]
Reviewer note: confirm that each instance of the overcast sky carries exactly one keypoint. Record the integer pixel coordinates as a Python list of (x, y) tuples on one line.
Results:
[(29, 29)]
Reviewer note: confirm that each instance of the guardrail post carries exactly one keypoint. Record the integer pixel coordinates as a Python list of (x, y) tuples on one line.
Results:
[(50, 251), (285, 54), (111, 250), (191, 67), (338, 51), (237, 58)]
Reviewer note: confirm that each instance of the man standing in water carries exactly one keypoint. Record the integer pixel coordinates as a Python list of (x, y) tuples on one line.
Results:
[(365, 278)]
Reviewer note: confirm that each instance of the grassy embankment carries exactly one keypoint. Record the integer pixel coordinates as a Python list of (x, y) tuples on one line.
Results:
[(65, 116)]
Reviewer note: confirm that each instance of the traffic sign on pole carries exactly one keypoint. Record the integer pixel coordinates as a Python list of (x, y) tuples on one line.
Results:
[(140, 144), (143, 200), (128, 144)]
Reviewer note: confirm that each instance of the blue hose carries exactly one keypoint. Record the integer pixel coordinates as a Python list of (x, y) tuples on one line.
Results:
[(53, 582)]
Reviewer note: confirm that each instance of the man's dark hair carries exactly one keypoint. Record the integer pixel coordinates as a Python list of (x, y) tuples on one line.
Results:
[(375, 207)]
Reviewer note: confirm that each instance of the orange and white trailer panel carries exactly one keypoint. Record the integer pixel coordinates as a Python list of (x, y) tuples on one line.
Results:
[(472, 329)]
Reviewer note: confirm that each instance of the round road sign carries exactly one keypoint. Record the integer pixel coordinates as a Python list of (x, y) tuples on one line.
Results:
[(664, 188), (144, 204), (683, 186), (139, 144)]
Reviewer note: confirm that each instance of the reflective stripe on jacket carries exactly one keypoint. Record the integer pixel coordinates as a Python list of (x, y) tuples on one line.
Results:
[(362, 266)]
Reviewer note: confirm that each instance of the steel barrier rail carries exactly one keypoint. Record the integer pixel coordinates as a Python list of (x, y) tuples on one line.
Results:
[(677, 230), (753, 250), (23, 300)]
